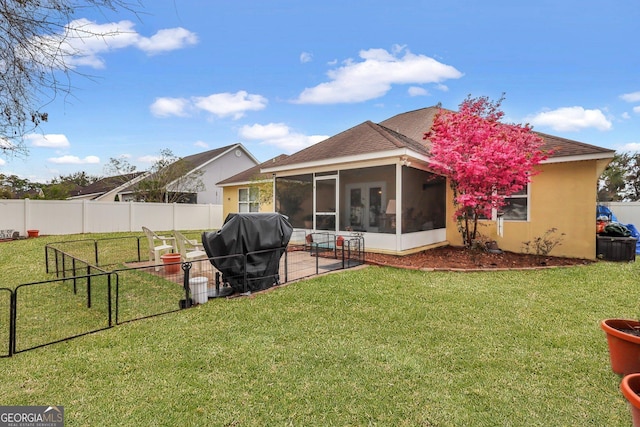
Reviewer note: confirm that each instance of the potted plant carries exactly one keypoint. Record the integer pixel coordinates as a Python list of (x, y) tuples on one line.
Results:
[(171, 261), (630, 387), (623, 338)]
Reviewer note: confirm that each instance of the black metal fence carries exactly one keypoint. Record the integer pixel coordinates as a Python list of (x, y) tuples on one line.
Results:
[(105, 282)]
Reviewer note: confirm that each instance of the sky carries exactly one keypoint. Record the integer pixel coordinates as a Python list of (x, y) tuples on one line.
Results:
[(280, 75)]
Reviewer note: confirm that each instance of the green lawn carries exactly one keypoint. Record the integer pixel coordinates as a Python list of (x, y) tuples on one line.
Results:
[(372, 346)]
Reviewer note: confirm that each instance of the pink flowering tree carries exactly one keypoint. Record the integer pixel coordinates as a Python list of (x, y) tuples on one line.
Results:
[(484, 160)]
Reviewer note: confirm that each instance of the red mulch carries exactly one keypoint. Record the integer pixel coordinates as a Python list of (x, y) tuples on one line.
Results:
[(458, 258)]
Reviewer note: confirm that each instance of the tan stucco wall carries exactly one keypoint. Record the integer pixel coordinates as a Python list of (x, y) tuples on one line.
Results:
[(563, 196), (230, 201)]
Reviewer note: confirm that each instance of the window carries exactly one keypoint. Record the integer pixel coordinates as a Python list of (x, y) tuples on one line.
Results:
[(516, 206), (248, 200)]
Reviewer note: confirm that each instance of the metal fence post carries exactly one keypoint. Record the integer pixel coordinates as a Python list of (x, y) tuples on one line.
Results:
[(12, 323), (186, 267)]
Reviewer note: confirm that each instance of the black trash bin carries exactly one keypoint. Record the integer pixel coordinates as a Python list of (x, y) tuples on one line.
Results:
[(610, 248)]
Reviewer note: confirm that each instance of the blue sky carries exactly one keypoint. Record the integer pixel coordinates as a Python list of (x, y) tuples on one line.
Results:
[(280, 75)]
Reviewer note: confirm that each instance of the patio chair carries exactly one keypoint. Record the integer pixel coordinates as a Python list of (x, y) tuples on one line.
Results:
[(190, 249), (158, 245)]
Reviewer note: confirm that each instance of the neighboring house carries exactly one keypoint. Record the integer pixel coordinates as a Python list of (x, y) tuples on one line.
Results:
[(243, 191), (209, 168), (375, 179), (106, 189)]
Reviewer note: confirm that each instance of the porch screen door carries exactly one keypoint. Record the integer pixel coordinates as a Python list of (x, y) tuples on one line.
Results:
[(325, 203)]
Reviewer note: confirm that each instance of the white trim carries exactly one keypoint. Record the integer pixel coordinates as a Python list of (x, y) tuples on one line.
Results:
[(249, 202), (580, 157), (336, 163), (238, 183)]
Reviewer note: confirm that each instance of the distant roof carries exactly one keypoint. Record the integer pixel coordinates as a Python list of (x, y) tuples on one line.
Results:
[(105, 185), (200, 159), (253, 173)]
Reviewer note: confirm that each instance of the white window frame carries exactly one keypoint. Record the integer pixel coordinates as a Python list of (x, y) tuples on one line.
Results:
[(249, 202), (527, 196)]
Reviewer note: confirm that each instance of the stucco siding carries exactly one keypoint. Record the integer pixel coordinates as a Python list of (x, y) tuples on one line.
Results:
[(230, 202), (562, 196)]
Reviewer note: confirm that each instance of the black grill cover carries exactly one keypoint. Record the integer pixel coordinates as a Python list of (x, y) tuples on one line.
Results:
[(246, 233)]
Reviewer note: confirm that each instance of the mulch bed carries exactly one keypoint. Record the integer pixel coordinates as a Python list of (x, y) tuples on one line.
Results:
[(459, 258)]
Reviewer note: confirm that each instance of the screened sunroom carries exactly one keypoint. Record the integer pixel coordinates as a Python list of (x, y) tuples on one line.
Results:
[(395, 206)]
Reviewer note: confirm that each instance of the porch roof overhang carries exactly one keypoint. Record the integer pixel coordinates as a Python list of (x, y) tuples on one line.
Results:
[(606, 155), (353, 162)]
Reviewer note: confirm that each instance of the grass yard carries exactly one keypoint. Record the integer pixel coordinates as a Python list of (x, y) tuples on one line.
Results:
[(372, 346)]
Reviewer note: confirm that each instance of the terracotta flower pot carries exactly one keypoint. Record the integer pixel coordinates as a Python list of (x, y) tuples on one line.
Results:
[(624, 345), (169, 260), (33, 233), (630, 387)]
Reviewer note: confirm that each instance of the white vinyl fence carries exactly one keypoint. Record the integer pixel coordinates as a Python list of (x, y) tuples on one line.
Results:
[(625, 212), (85, 216)]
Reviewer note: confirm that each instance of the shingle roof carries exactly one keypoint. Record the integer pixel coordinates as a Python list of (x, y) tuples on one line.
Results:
[(406, 130), (196, 160), (365, 138), (105, 185), (562, 147), (189, 163)]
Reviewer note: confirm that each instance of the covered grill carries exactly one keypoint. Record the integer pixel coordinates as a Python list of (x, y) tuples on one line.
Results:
[(260, 239)]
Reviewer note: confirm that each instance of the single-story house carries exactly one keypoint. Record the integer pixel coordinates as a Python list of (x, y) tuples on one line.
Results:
[(375, 179)]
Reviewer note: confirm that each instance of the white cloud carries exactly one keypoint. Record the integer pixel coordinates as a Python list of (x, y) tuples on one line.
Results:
[(306, 57), (374, 76), (164, 107), (167, 40), (231, 104), (83, 41), (417, 91), (201, 144), (631, 97), (149, 159), (280, 135), (51, 140), (269, 131), (219, 104), (5, 143), (568, 119), (636, 109), (626, 116), (2, 162), (74, 160), (631, 146)]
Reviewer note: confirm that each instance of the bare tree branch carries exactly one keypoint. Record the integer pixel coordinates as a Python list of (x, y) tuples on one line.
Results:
[(36, 43)]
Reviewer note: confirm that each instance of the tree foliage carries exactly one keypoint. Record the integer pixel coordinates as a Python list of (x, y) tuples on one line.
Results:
[(81, 179), (485, 160), (171, 180), (34, 68), (14, 187), (620, 181)]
